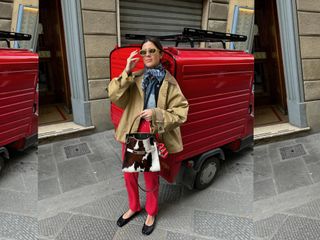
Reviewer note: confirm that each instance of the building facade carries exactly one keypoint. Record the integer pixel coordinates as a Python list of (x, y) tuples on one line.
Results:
[(88, 30), (93, 28), (6, 7)]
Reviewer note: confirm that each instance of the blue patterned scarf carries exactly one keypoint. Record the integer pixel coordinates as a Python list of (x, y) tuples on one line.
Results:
[(148, 83)]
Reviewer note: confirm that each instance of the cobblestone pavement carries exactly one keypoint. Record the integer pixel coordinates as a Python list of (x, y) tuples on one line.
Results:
[(287, 189), (18, 197), (82, 194), (271, 194)]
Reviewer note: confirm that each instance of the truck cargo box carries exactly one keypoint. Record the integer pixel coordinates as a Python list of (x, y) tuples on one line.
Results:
[(18, 98)]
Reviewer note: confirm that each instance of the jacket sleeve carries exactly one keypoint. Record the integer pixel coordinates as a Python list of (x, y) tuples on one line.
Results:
[(118, 89), (175, 114)]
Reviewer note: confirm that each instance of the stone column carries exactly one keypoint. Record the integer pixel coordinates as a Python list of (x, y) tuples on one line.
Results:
[(100, 36), (291, 62), (71, 11), (308, 12)]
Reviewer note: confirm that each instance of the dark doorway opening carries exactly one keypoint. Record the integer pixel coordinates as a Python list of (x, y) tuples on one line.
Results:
[(270, 90), (54, 87)]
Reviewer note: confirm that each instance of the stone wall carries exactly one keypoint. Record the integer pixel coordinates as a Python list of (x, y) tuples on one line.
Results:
[(308, 12), (6, 7), (217, 18), (100, 37)]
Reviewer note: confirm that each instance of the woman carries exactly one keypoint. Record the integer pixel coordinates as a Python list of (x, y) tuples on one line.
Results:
[(165, 108)]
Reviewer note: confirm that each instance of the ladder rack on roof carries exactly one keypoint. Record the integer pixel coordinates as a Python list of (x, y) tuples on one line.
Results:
[(193, 35), (13, 36)]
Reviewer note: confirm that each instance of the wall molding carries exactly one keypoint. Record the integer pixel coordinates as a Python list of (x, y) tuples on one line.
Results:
[(72, 22), (289, 35)]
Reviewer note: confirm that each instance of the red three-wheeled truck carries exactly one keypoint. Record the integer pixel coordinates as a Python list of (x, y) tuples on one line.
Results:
[(18, 96), (218, 85)]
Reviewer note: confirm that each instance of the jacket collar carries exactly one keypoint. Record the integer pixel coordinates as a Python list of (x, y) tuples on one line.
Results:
[(138, 75)]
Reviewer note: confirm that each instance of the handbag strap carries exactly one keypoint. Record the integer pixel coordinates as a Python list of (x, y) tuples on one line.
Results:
[(155, 188)]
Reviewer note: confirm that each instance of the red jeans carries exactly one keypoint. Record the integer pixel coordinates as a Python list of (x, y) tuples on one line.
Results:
[(151, 182)]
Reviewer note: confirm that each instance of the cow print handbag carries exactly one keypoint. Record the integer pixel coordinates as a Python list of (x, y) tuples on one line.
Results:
[(141, 152)]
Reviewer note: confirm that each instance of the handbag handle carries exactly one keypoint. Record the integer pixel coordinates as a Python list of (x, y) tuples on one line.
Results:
[(134, 122)]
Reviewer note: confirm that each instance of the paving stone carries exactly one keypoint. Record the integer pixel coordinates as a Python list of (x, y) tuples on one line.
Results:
[(292, 151), (264, 189), (169, 193), (298, 228), (178, 236), (260, 151), (18, 202), (290, 175), (108, 207), (218, 201), (314, 169), (311, 158), (265, 228), (22, 162), (88, 228), (226, 182), (183, 236), (11, 180), (49, 227), (45, 149), (262, 168), (46, 166), (174, 217), (222, 226), (132, 231), (75, 173), (239, 168), (115, 144), (48, 188), (103, 153), (31, 183), (311, 209), (96, 140), (109, 134), (18, 227), (105, 171), (246, 184)]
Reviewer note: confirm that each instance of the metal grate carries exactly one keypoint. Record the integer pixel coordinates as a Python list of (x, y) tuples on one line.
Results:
[(292, 151), (76, 150)]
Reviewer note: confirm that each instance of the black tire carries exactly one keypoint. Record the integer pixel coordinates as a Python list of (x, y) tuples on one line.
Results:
[(207, 173), (1, 163)]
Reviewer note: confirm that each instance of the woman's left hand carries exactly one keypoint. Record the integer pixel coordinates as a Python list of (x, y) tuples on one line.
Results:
[(146, 114)]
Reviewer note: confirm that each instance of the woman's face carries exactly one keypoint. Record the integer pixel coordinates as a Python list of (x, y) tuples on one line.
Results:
[(151, 60)]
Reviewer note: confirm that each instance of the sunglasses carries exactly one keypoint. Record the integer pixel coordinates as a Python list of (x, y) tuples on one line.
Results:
[(143, 52)]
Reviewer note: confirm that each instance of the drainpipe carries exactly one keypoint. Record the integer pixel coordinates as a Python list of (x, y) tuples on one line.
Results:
[(118, 23)]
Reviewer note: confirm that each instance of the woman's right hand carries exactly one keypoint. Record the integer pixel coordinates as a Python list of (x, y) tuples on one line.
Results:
[(131, 61)]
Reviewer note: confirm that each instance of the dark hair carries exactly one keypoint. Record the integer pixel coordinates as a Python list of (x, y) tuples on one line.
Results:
[(155, 41)]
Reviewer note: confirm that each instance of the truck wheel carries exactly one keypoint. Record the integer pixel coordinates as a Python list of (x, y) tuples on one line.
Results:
[(1, 163), (207, 173)]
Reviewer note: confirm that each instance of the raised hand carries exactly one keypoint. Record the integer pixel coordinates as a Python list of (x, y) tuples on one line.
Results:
[(131, 61)]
